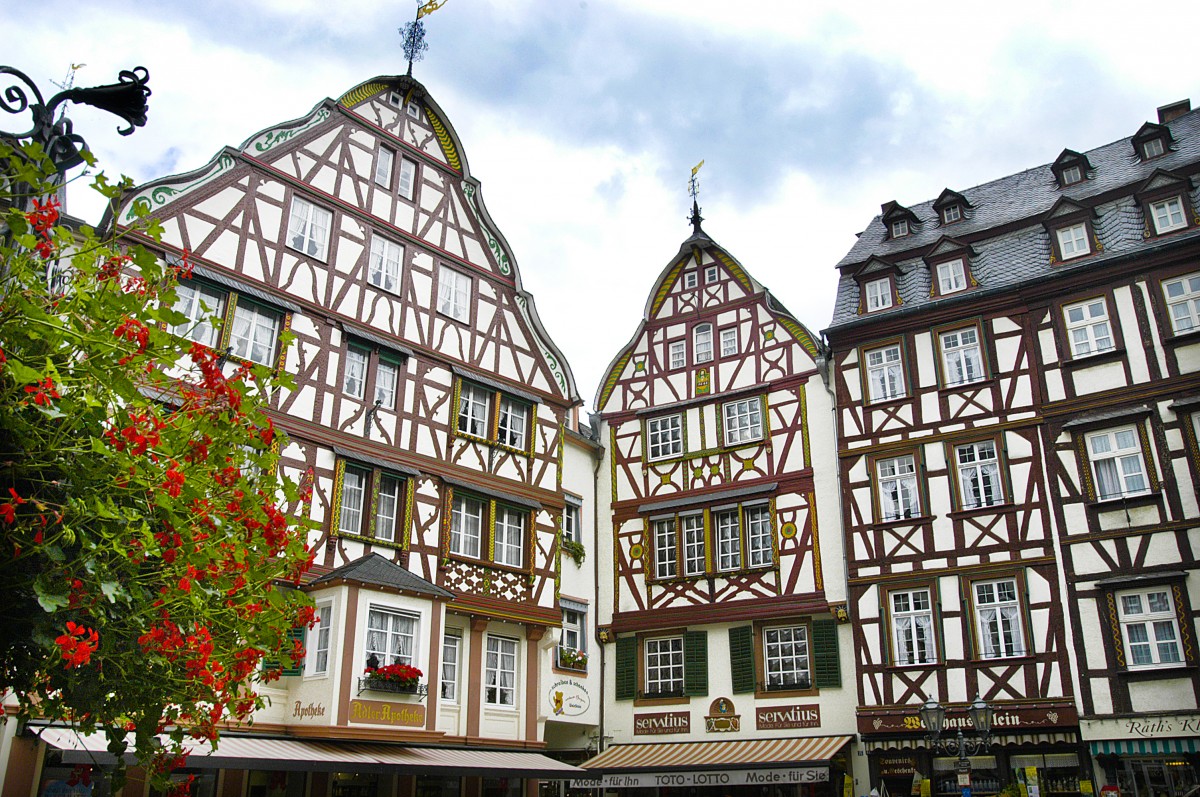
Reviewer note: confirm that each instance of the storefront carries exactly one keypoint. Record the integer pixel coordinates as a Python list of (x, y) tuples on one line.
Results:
[(1146, 756), (797, 767)]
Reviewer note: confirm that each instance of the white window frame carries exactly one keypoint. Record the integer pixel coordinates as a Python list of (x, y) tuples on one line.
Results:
[(413, 110), (451, 660), (664, 437), (1073, 241), (729, 342), (385, 158), (695, 548), (1072, 174), (690, 279), (759, 535), (710, 274), (387, 378), (308, 228), (513, 424), (663, 660), (1168, 215), (255, 332), (407, 187), (320, 642), (1182, 295), (951, 214), (354, 371), (574, 630), (879, 294), (383, 265), (962, 356), (677, 354), (572, 522), (665, 541), (899, 491), (885, 373), (474, 409), (952, 276), (1088, 329), (786, 660), (998, 618), (356, 487), (727, 532), (979, 479), (1117, 462), (454, 294), (914, 641), (743, 421), (509, 536), (899, 228), (702, 343), (389, 503), (468, 520), (1152, 148), (395, 629), (500, 671), (1149, 628), (200, 302)]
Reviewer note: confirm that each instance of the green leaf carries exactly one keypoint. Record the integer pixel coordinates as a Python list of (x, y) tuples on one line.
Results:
[(52, 603), (112, 590)]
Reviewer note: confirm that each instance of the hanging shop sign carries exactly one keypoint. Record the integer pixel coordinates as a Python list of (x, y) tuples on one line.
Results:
[(662, 722), (777, 718), (569, 698), (373, 712), (892, 765)]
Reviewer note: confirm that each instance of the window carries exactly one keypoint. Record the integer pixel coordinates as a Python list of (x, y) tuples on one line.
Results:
[(912, 627), (729, 539), (318, 641), (387, 374), (510, 536), (961, 359), (413, 110), (1149, 628), (898, 496), (710, 274), (572, 647), (743, 421), (1117, 464), (690, 279), (391, 637), (1183, 302), (408, 179), (899, 228), (1152, 148), (387, 507), (664, 548), (354, 489), (571, 528), (978, 474), (573, 629), (395, 99), (471, 535), (879, 294), (678, 354), (255, 332), (1168, 215), (758, 535), (1087, 327), (354, 377), (695, 559), (383, 166), (383, 270), (951, 214), (308, 228), (363, 487), (475, 404), (729, 342), (454, 294), (998, 615), (201, 303), (740, 535), (451, 654), (885, 374), (952, 276), (1071, 175), (1073, 241), (664, 437), (511, 426), (702, 343), (500, 671), (664, 666), (785, 654)]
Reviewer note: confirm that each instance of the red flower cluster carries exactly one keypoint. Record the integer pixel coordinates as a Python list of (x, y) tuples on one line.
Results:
[(140, 435), (174, 481), (77, 652), (133, 330), (398, 673), (43, 391), (42, 218)]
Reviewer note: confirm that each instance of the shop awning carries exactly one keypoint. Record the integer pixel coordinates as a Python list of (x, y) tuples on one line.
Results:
[(1022, 739), (753, 753), (250, 752), (1144, 746)]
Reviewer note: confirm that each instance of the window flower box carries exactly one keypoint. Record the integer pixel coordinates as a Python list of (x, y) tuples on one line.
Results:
[(572, 659), (401, 679)]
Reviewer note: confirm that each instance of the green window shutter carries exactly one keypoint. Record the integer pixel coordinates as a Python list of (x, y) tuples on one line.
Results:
[(627, 666), (826, 667), (291, 636), (741, 658), (695, 663)]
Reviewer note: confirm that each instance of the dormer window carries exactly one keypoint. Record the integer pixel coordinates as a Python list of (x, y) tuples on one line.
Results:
[(1152, 148), (1069, 225), (879, 294), (951, 206), (900, 228), (1071, 175), (1167, 215), (951, 276), (1070, 168), (1165, 202), (898, 220), (951, 214), (1073, 241), (1151, 141)]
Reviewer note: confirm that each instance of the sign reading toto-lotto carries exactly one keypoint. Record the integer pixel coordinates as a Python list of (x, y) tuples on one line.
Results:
[(728, 777)]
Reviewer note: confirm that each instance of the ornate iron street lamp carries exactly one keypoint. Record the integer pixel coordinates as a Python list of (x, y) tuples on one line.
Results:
[(933, 714), (125, 98)]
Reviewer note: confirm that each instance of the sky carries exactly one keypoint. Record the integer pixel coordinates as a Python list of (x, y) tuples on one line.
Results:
[(583, 118)]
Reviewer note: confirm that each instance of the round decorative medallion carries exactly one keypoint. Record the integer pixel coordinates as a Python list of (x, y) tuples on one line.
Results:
[(636, 550), (788, 531)]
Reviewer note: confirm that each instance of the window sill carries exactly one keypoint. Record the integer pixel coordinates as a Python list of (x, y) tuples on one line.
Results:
[(524, 452), (1022, 658), (560, 669), (1157, 672), (1183, 338), (958, 387), (883, 403), (1002, 508), (770, 694), (715, 574), (906, 521), (1096, 358), (345, 535), (662, 701), (1149, 498), (910, 667)]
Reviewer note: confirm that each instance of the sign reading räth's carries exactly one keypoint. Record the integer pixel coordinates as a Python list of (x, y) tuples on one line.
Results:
[(728, 777), (664, 722), (373, 712)]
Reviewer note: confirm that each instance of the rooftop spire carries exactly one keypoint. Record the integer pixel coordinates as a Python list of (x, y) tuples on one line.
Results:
[(694, 192), (412, 35)]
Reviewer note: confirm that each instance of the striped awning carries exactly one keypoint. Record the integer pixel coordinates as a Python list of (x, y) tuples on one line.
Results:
[(1144, 746), (304, 755), (717, 755), (1017, 739)]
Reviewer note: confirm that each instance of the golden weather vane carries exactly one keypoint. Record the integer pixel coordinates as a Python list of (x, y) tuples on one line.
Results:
[(412, 35), (694, 192)]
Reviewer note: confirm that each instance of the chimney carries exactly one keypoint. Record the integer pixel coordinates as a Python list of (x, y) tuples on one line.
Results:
[(1169, 113)]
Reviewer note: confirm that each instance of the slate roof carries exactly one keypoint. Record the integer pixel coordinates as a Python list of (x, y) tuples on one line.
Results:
[(374, 570), (1023, 254)]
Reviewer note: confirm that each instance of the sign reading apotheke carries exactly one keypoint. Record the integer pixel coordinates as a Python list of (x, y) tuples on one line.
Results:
[(664, 722), (728, 777)]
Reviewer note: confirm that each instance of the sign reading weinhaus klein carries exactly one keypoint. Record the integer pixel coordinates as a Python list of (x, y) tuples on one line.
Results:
[(777, 718), (373, 712), (664, 722), (1037, 716)]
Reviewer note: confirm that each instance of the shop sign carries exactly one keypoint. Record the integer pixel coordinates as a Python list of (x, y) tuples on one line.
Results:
[(1016, 719), (728, 777), (892, 765), (776, 718), (373, 712), (569, 698), (1147, 726), (721, 717), (311, 711), (663, 722)]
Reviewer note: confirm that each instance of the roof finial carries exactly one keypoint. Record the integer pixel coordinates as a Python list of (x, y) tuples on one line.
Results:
[(694, 192), (413, 33)]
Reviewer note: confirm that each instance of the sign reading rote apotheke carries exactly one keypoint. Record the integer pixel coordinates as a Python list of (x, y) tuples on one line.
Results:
[(728, 777)]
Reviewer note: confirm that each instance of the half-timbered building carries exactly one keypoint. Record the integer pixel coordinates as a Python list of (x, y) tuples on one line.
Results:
[(1016, 370), (722, 596), (435, 417)]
